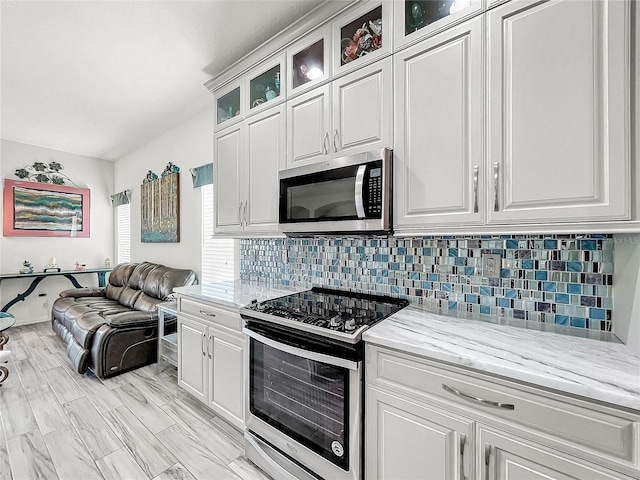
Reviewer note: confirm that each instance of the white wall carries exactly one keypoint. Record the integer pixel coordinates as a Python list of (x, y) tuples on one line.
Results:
[(92, 173), (189, 145)]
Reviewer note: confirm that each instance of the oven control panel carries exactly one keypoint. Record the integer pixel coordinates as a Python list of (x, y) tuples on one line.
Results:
[(373, 192)]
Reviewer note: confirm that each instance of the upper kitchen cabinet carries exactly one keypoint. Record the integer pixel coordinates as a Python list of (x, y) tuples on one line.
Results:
[(362, 36), (266, 85), (228, 158), (350, 115), (438, 156), (308, 61), (559, 112), (265, 155), (417, 19), (229, 103), (247, 158)]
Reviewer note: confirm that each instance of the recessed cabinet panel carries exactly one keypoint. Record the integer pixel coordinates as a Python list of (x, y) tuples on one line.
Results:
[(415, 19), (505, 457), (192, 360), (407, 441), (265, 156), (362, 36), (227, 177), (438, 148), (308, 123), (559, 112), (228, 376), (362, 112)]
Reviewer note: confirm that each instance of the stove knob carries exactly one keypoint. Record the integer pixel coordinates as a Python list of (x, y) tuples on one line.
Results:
[(334, 321), (350, 324)]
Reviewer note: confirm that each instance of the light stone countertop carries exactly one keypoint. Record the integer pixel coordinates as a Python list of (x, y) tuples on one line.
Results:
[(235, 293), (600, 370)]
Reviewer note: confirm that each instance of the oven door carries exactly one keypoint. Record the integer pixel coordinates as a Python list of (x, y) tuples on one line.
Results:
[(305, 403)]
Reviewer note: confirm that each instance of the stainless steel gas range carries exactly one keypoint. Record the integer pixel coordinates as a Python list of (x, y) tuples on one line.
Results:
[(304, 405)]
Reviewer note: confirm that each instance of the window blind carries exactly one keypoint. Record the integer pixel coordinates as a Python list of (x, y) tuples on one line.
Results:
[(218, 254), (123, 233)]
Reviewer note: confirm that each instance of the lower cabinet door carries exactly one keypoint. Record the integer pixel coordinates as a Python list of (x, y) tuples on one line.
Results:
[(414, 441), (506, 457), (192, 357), (227, 378)]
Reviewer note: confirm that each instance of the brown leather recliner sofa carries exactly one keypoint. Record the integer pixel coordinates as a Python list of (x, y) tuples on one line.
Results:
[(114, 329)]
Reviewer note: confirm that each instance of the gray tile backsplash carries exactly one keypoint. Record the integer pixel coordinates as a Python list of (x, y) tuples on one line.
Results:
[(562, 279)]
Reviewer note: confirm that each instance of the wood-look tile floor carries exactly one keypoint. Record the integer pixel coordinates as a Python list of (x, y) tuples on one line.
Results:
[(56, 424)]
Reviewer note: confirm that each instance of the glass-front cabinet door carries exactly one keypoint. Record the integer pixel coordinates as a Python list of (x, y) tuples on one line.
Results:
[(362, 36), (266, 85), (308, 61), (228, 105), (415, 19)]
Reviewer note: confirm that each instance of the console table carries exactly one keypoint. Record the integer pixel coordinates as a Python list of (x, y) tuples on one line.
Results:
[(39, 276)]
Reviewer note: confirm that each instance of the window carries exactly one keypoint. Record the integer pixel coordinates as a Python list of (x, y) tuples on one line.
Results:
[(123, 233), (218, 254)]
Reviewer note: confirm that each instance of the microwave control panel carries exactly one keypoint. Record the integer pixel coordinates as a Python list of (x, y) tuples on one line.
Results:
[(373, 193)]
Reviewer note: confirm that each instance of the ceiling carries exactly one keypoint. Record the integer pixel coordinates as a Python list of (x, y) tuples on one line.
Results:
[(101, 78)]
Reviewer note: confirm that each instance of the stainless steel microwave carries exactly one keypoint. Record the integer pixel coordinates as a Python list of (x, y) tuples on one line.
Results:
[(348, 195)]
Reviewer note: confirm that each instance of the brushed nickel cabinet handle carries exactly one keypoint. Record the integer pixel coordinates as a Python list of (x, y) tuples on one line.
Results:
[(476, 170), (207, 314), (466, 396), (496, 172), (245, 213), (240, 213), (204, 354), (335, 137), (487, 460), (325, 143), (210, 343), (463, 440)]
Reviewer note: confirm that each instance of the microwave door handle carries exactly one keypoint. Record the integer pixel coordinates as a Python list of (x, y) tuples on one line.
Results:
[(359, 197)]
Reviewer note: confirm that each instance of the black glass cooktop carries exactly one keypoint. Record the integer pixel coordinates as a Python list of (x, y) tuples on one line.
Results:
[(322, 308)]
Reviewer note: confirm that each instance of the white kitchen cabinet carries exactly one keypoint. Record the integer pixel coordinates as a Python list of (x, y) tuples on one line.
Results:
[(229, 105), (408, 440), (211, 358), (464, 424), (227, 177), (308, 125), (438, 155), (353, 114), (192, 358), (506, 457), (248, 157), (265, 155), (309, 61), (374, 20), (559, 103), (418, 19)]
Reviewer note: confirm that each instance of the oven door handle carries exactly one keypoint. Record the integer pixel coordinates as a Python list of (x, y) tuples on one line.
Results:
[(300, 352)]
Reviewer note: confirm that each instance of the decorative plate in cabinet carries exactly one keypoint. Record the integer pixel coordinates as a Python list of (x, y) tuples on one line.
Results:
[(308, 61), (362, 36), (417, 19), (266, 85), (229, 101)]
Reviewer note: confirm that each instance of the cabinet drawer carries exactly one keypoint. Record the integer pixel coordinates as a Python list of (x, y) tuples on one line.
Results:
[(210, 314), (570, 424)]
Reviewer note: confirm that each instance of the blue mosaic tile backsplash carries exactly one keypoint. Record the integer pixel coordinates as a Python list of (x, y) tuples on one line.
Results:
[(561, 279)]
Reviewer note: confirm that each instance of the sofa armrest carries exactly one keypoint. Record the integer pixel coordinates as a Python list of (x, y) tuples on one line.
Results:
[(83, 292), (132, 318)]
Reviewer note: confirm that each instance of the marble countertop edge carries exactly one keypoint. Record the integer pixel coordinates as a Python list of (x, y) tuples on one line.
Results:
[(592, 369)]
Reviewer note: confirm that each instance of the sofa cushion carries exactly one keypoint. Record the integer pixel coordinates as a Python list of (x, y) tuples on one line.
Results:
[(85, 326)]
